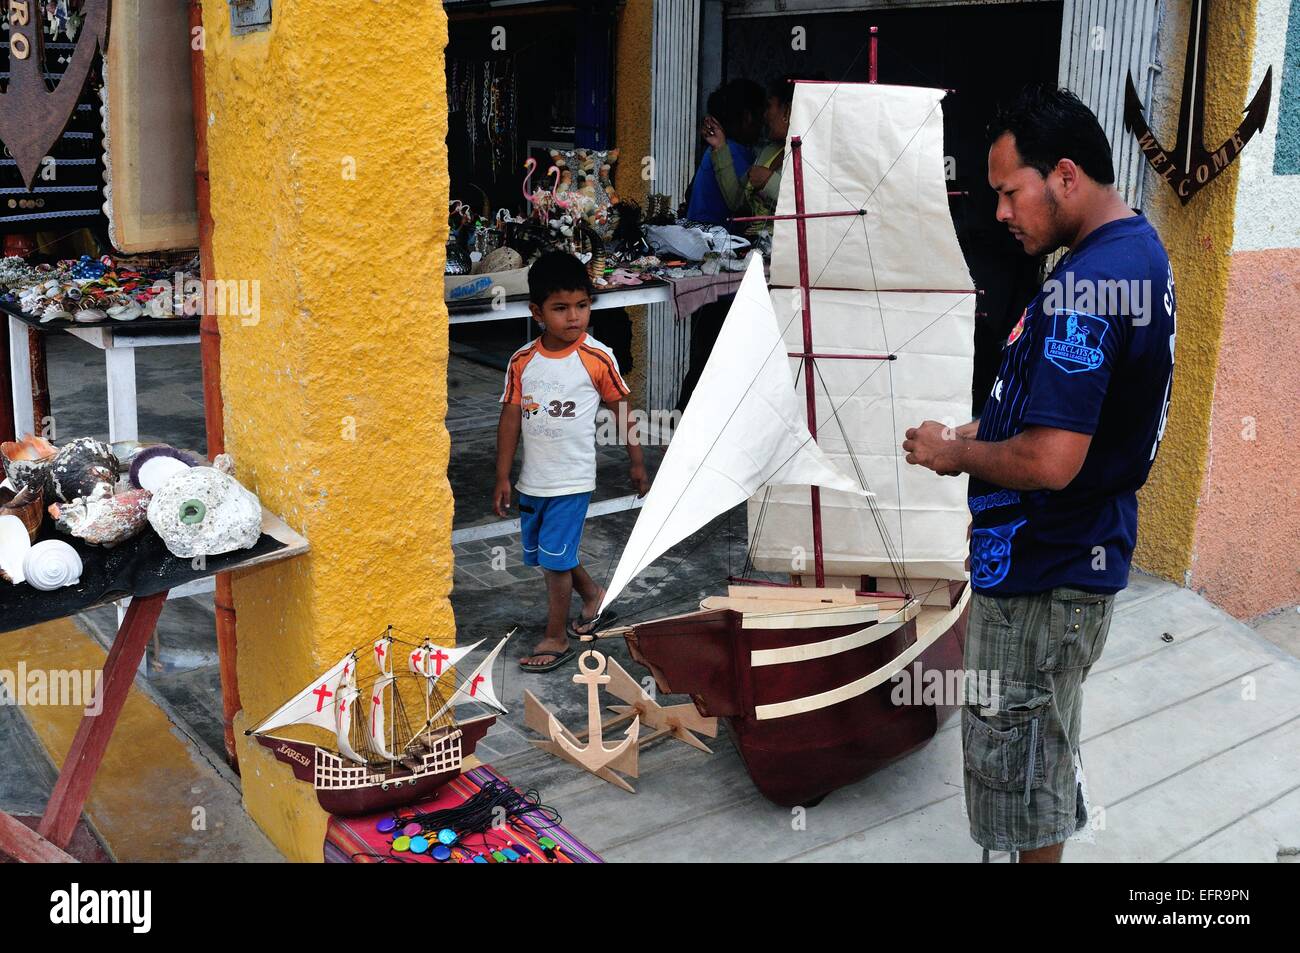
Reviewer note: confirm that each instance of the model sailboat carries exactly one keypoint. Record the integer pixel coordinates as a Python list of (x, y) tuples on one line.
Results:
[(381, 760), (871, 312)]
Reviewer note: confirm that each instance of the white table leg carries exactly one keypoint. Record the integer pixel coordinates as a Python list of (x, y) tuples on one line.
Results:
[(20, 369), (119, 362)]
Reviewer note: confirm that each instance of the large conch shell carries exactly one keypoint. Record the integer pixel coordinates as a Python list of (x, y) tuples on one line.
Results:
[(104, 520), (28, 505), (204, 512), (27, 461), (81, 468), (15, 544), (52, 564)]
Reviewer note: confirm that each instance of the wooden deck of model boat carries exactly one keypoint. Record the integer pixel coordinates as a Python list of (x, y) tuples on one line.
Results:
[(803, 679)]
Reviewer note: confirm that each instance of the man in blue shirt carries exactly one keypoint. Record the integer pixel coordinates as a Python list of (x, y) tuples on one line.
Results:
[(1066, 437)]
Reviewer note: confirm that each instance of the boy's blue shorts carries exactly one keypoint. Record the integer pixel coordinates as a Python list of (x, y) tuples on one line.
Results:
[(551, 529)]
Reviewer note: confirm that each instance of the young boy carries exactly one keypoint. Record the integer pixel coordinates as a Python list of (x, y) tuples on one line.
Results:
[(554, 387)]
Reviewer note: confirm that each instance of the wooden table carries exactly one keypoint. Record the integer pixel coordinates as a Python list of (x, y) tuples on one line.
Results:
[(47, 842), (117, 339)]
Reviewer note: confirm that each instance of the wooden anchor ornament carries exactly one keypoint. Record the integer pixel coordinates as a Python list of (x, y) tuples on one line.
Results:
[(589, 751), (1187, 165), (32, 116)]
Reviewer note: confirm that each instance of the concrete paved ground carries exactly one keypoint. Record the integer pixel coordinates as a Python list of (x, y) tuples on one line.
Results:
[(1192, 746)]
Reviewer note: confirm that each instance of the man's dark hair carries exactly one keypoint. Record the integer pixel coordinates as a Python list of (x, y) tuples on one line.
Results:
[(557, 271), (1051, 124)]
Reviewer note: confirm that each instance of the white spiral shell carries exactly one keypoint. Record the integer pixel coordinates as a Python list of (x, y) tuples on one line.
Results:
[(52, 564)]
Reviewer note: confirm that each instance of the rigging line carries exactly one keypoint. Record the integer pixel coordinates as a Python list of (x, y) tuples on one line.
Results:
[(873, 508), (836, 407), (893, 412)]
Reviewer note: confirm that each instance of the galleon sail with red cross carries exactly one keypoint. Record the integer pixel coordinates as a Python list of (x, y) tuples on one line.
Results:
[(315, 704), (378, 756)]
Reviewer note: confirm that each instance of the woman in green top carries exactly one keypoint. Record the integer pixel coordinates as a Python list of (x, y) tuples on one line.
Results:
[(757, 192)]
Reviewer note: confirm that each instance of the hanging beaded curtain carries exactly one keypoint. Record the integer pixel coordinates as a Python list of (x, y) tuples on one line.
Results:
[(483, 93)]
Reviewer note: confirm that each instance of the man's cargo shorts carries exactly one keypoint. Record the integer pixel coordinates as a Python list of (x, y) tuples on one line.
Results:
[(1020, 724)]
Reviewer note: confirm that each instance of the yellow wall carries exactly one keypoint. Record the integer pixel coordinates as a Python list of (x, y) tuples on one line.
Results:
[(1198, 237), (632, 136), (335, 399)]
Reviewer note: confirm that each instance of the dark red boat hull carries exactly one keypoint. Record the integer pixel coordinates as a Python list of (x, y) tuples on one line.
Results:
[(301, 756), (797, 759)]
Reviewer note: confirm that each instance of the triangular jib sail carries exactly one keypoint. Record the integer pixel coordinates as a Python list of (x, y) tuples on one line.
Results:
[(744, 429)]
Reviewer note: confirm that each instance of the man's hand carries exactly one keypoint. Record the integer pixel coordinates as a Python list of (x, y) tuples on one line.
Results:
[(501, 498), (713, 132), (636, 473), (935, 447), (758, 175)]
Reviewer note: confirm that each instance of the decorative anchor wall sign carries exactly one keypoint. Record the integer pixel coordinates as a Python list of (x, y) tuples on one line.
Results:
[(32, 117), (1189, 165), (678, 721)]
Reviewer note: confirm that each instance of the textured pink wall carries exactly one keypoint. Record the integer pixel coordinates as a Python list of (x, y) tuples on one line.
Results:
[(1246, 555)]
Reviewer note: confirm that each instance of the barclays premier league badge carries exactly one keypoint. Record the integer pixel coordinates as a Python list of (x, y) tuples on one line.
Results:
[(1075, 344)]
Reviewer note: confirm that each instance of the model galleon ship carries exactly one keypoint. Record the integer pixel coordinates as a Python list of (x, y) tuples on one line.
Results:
[(381, 759), (866, 329)]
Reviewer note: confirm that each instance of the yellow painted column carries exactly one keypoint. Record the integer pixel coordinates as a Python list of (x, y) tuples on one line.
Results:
[(329, 191), (632, 79), (1198, 237)]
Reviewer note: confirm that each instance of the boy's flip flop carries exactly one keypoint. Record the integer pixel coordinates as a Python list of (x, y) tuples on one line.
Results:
[(560, 658), (599, 621)]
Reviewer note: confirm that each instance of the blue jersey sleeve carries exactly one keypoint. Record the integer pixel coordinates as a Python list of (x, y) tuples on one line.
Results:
[(1073, 368)]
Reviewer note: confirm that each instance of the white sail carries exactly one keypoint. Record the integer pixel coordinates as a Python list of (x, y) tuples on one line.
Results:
[(343, 724), (477, 686), (375, 725), (878, 148), (442, 660), (315, 704), (383, 650), (419, 658), (743, 429)]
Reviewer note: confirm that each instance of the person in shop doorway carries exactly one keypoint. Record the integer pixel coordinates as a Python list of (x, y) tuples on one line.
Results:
[(554, 387), (1066, 438), (730, 129)]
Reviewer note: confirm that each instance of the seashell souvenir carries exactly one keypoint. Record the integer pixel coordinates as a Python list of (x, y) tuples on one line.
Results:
[(104, 520), (154, 466), (80, 467), (27, 461), (15, 544), (499, 259), (55, 312), (52, 564), (204, 512), (27, 504), (89, 316), (125, 312)]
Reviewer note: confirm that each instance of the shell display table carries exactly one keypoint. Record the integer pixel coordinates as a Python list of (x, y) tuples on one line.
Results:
[(145, 572)]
